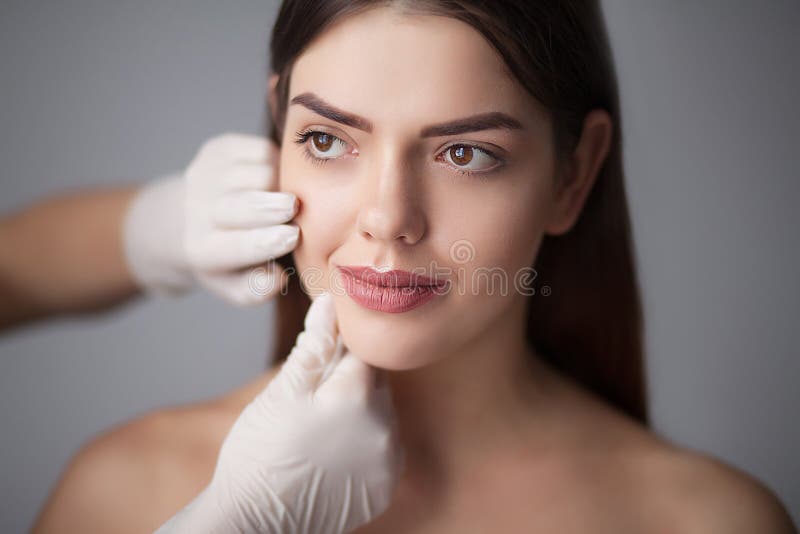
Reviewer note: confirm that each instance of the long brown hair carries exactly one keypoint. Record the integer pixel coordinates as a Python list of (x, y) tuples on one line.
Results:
[(590, 327)]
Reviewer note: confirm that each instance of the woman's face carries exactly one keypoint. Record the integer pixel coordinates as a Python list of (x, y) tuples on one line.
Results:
[(390, 192)]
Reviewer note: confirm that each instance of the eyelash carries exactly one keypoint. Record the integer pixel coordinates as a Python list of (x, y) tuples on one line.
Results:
[(303, 136)]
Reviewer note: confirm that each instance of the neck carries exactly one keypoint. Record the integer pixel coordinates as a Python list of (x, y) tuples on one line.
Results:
[(475, 401)]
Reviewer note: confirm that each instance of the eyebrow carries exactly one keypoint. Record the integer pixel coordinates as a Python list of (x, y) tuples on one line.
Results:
[(474, 123)]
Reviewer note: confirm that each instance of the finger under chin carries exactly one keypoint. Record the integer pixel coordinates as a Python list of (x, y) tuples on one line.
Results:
[(351, 380)]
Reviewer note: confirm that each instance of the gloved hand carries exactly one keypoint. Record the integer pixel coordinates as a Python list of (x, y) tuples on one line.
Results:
[(314, 452), (219, 223)]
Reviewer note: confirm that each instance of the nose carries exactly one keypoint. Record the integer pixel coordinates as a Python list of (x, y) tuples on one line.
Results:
[(392, 209)]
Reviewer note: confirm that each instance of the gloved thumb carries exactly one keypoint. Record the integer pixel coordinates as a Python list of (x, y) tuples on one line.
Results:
[(315, 350)]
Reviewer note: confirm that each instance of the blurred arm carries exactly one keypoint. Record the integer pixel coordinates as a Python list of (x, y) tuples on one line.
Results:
[(64, 255)]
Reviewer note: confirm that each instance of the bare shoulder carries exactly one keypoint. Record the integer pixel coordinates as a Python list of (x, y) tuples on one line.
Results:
[(687, 490), (132, 476), (135, 476), (700, 493)]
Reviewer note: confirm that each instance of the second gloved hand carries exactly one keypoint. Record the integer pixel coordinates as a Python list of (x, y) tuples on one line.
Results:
[(314, 452), (220, 223)]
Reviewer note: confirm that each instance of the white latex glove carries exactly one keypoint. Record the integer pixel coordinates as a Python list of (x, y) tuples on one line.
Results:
[(219, 223), (315, 452)]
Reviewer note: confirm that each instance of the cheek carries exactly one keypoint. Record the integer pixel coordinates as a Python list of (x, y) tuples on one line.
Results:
[(322, 217), (492, 228), (490, 240), (509, 238)]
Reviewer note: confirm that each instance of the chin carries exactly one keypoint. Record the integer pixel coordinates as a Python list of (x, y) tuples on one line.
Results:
[(380, 358), (395, 347)]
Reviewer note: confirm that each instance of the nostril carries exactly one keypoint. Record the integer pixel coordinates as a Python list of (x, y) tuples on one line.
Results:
[(392, 221)]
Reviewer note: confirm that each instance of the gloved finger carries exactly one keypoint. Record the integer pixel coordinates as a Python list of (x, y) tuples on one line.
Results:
[(235, 249), (249, 158), (315, 349), (248, 287), (236, 146), (247, 177), (351, 380), (251, 209)]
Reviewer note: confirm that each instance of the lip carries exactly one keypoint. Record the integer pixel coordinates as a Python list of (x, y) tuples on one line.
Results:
[(394, 291)]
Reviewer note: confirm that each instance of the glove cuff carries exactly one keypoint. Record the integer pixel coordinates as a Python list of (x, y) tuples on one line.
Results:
[(153, 237)]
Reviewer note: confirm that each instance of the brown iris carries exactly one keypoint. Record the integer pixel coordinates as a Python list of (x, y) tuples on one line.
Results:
[(322, 141), (461, 155)]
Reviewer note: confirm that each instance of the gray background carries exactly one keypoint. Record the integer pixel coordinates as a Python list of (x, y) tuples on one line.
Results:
[(95, 92)]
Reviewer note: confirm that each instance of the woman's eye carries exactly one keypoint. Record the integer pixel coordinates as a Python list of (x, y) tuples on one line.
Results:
[(469, 158), (326, 146)]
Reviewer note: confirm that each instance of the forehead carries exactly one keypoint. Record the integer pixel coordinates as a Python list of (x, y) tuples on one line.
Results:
[(398, 68)]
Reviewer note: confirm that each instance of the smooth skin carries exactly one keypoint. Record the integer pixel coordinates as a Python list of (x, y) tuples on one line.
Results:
[(496, 440)]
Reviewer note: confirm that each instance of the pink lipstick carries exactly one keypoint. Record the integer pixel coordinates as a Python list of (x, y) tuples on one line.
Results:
[(394, 291)]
